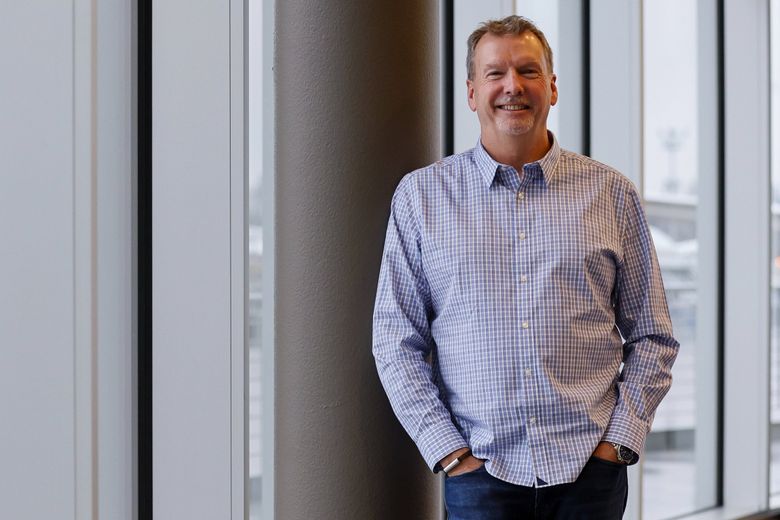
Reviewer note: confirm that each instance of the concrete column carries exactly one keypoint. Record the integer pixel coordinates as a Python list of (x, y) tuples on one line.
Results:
[(357, 106)]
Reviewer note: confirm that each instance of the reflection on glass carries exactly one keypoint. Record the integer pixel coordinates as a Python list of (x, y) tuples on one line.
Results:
[(679, 462), (255, 258), (774, 359)]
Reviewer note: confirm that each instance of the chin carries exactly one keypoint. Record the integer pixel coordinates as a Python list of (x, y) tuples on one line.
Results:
[(516, 126), (517, 129)]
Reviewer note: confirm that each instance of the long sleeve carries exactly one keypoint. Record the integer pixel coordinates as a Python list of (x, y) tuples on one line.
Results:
[(642, 316), (402, 336)]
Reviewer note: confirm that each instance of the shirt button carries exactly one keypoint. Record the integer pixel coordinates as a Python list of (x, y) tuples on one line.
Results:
[(520, 195), (522, 236), (528, 372), (532, 420), (523, 278), (525, 324)]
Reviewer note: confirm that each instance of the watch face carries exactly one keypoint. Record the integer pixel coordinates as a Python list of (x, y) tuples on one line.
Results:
[(626, 455)]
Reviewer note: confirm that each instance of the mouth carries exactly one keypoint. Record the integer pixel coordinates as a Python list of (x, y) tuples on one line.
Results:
[(514, 107)]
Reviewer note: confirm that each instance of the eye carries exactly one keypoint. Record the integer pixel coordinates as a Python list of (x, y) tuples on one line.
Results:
[(493, 74), (530, 73)]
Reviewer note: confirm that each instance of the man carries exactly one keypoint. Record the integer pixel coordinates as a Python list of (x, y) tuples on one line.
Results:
[(509, 274)]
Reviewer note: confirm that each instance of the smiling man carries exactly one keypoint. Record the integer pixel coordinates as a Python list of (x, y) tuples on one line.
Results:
[(521, 330)]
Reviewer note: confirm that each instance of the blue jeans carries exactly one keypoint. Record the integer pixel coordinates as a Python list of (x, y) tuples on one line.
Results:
[(599, 493)]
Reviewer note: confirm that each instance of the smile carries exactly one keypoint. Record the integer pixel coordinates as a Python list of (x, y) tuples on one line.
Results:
[(513, 108)]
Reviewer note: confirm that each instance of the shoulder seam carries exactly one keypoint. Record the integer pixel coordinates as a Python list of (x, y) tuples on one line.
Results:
[(593, 163)]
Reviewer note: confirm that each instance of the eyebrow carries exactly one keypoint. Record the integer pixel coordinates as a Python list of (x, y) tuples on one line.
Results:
[(497, 65)]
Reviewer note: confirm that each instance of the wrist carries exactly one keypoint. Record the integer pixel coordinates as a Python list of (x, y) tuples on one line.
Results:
[(454, 459), (624, 454), (605, 451), (616, 452)]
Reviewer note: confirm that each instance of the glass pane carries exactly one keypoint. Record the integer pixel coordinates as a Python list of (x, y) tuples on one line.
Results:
[(680, 168), (774, 381), (255, 261)]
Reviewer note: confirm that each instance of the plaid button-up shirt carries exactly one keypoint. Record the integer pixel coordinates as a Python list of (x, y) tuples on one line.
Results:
[(507, 304)]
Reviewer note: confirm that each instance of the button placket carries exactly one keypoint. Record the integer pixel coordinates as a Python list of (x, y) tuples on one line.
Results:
[(528, 352)]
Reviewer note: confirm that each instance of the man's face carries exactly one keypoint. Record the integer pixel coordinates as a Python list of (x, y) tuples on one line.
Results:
[(512, 89)]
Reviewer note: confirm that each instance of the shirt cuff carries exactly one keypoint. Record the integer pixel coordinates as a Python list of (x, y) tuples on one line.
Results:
[(627, 432), (436, 442)]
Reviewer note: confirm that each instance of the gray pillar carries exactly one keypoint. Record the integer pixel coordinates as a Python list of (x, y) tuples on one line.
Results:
[(357, 106)]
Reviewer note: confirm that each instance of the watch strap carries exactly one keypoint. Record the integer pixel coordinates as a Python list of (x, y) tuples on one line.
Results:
[(454, 463)]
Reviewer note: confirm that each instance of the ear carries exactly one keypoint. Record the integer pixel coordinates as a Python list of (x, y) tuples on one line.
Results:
[(554, 90), (470, 94)]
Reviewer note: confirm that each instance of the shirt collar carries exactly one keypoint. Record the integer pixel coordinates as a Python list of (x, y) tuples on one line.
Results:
[(488, 167)]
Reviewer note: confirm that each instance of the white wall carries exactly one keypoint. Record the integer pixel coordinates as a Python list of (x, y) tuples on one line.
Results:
[(198, 260), (38, 300), (65, 265)]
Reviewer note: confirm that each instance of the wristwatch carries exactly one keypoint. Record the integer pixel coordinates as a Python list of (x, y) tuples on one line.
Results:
[(453, 464), (625, 455)]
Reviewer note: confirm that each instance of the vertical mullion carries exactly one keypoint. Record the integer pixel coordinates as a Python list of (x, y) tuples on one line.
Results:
[(239, 203), (719, 480), (708, 331), (448, 78), (586, 120), (747, 256), (144, 266)]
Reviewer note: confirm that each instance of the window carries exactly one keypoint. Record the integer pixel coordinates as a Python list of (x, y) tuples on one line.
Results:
[(660, 129), (259, 263), (774, 379), (679, 175)]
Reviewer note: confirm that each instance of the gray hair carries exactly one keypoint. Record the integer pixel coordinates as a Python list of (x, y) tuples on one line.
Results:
[(511, 25)]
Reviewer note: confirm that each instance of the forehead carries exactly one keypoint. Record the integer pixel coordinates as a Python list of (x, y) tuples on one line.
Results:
[(512, 48)]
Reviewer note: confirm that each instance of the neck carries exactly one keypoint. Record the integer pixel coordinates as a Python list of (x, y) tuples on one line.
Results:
[(517, 151)]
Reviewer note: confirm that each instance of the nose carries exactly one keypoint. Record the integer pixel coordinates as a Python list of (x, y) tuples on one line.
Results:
[(513, 84)]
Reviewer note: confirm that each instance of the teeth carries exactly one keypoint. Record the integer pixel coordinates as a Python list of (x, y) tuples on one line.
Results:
[(514, 107)]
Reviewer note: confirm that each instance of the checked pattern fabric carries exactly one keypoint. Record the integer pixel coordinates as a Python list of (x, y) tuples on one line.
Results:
[(521, 314)]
